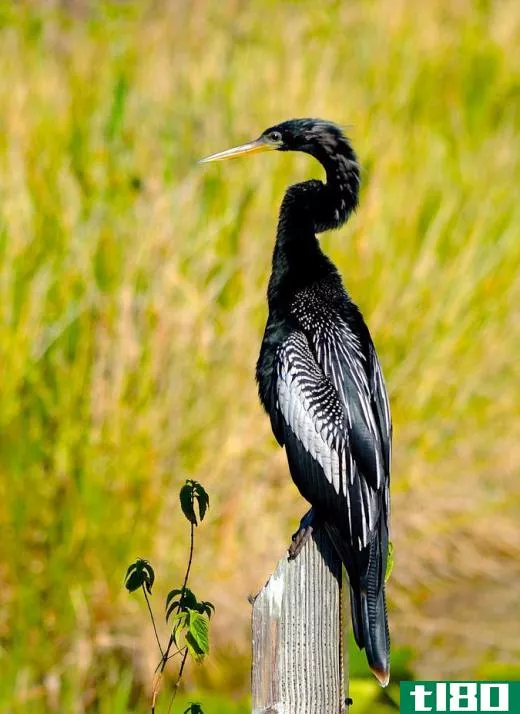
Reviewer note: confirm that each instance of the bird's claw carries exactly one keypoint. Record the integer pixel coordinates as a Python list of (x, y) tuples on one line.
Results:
[(298, 541), (302, 535)]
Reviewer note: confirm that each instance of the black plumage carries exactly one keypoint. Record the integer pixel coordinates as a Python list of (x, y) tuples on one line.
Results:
[(320, 380)]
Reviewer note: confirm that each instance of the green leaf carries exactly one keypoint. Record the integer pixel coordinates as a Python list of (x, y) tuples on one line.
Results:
[(194, 708), (205, 608), (202, 498), (187, 498), (193, 491), (198, 629), (390, 561), (193, 648), (193, 627), (187, 601), (179, 624), (173, 593), (192, 622), (140, 573)]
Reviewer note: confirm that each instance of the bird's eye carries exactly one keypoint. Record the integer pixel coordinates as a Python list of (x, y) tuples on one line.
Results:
[(274, 136)]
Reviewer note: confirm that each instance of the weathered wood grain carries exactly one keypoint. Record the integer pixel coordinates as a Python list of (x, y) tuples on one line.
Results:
[(297, 635)]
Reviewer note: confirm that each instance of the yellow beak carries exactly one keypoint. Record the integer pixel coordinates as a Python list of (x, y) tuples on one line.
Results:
[(253, 147)]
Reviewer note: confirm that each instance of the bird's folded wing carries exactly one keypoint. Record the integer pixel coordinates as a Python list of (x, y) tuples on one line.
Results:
[(381, 407), (317, 436), (357, 379)]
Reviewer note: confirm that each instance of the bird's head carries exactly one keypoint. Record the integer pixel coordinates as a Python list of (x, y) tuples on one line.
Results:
[(316, 137)]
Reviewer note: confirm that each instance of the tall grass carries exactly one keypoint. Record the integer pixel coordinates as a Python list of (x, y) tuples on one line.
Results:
[(132, 306)]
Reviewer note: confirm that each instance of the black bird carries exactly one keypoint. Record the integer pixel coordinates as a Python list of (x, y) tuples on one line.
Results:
[(320, 380)]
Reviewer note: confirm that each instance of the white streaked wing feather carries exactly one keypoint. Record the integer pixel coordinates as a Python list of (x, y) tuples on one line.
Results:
[(313, 411), (296, 404), (358, 383), (341, 347)]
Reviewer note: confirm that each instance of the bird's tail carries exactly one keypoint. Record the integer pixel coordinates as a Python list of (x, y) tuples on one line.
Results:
[(368, 601), (370, 626)]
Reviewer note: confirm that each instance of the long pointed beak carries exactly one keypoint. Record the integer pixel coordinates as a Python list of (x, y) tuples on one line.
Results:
[(252, 147)]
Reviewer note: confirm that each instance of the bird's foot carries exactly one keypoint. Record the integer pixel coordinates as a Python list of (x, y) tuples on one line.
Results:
[(307, 525)]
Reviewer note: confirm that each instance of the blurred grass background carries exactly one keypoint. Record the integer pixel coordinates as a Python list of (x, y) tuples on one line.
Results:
[(132, 304)]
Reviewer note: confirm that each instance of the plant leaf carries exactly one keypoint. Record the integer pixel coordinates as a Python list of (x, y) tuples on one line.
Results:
[(186, 497), (205, 608), (179, 623), (194, 708), (209, 608), (172, 594), (187, 601), (140, 573), (198, 629), (193, 648), (171, 609), (202, 499), (193, 491)]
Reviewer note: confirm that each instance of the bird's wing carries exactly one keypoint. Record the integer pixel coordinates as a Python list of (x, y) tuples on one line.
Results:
[(356, 375), (381, 407), (342, 351), (314, 426)]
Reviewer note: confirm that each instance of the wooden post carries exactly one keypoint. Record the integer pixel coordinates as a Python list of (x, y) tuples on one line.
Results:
[(298, 635)]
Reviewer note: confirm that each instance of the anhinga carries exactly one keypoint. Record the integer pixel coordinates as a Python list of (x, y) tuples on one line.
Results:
[(320, 380)]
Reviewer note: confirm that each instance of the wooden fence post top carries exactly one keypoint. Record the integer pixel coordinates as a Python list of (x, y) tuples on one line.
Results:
[(297, 635)]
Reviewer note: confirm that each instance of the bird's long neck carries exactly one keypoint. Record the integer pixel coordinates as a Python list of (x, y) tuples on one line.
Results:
[(309, 208)]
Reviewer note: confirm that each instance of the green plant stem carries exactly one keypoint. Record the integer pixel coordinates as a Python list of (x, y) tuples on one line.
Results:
[(166, 654), (190, 560), (153, 619)]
